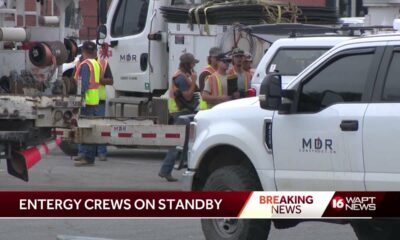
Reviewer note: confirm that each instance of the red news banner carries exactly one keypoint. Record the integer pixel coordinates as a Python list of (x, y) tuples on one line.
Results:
[(199, 204)]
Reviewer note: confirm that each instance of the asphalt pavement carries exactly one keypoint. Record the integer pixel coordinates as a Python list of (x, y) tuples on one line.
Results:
[(126, 169), (150, 229)]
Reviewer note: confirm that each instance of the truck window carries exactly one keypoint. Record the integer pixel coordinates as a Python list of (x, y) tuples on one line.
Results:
[(340, 81), (391, 91), (129, 18), (291, 62)]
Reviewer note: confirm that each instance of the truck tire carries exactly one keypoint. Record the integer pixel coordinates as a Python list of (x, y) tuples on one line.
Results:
[(69, 148), (234, 178), (376, 229)]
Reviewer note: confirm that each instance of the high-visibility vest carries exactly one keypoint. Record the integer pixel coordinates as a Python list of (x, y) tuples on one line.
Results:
[(102, 89), (247, 82), (209, 69), (92, 93), (172, 106), (215, 84)]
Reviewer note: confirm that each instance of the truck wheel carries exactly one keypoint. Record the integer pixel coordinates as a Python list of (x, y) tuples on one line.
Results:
[(234, 178), (376, 229), (69, 148)]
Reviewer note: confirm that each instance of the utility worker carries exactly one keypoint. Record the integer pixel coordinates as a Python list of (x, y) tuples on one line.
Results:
[(88, 75), (244, 78), (211, 67), (182, 100), (247, 62), (106, 78), (216, 86)]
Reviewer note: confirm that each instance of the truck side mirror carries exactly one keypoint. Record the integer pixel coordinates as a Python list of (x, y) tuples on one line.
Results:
[(102, 11), (101, 33), (271, 92)]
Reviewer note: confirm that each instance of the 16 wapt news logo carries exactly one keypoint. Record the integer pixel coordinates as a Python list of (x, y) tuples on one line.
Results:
[(354, 203)]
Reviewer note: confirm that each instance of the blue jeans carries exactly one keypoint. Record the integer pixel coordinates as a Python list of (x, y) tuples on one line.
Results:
[(172, 154), (101, 112), (88, 151)]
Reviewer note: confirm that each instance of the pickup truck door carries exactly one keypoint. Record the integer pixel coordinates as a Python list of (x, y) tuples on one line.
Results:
[(318, 145), (382, 126)]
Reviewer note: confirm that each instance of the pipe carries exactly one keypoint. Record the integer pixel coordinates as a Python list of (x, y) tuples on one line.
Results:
[(14, 34), (49, 20)]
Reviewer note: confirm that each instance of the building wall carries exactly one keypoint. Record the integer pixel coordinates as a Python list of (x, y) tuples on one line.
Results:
[(89, 19), (31, 6), (88, 10)]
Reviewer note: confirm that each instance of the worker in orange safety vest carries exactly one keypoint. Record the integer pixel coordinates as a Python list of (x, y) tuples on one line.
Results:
[(216, 86), (211, 67), (244, 77)]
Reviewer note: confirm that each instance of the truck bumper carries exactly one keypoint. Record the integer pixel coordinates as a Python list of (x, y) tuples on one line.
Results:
[(187, 180)]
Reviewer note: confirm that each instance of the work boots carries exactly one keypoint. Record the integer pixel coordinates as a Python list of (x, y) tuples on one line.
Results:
[(169, 177), (83, 162)]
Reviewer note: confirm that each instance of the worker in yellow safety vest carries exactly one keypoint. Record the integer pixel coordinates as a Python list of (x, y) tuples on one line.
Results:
[(244, 77), (88, 77), (211, 67), (247, 64), (184, 99), (218, 87)]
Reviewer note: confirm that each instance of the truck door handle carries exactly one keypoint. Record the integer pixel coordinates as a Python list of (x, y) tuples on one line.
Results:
[(349, 125), (143, 61), (113, 43)]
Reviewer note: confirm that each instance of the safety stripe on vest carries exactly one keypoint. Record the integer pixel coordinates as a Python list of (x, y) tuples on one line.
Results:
[(91, 66), (172, 106), (215, 85), (92, 95), (93, 86), (102, 88), (209, 69)]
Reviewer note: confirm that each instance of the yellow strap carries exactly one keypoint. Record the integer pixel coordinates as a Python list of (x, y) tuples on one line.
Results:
[(206, 27), (279, 14), (219, 85), (246, 87), (190, 13), (197, 18), (96, 67)]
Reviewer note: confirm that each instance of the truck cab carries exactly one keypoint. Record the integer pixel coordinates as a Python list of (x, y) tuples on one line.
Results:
[(338, 115), (290, 56), (332, 128), (133, 64)]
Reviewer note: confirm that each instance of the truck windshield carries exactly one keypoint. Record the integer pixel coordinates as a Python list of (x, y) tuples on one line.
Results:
[(130, 18), (291, 62)]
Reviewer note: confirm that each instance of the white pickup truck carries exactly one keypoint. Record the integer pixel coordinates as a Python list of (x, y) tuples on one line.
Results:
[(290, 56), (334, 128)]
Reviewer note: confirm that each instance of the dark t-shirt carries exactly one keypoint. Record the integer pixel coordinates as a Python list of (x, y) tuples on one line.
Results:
[(182, 85), (202, 79), (108, 73)]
